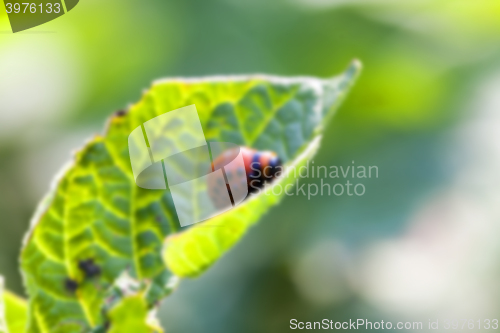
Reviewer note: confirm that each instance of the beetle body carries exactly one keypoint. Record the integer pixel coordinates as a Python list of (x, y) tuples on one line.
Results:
[(260, 167)]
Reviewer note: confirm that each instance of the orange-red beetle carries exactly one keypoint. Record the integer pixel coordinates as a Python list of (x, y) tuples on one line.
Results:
[(260, 167)]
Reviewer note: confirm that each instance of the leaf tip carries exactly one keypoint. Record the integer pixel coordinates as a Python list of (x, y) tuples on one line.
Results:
[(354, 69)]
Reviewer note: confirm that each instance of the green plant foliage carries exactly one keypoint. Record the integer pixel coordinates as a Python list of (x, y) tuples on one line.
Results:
[(3, 320), (16, 311), (128, 316), (96, 213), (189, 253), (13, 312)]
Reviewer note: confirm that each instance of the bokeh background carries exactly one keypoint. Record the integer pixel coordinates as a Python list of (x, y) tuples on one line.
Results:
[(421, 244)]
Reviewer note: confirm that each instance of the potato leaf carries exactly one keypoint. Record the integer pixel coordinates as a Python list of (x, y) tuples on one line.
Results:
[(97, 223), (128, 316), (3, 320), (13, 311)]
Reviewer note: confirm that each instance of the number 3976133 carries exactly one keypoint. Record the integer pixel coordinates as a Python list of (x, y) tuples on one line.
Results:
[(33, 8)]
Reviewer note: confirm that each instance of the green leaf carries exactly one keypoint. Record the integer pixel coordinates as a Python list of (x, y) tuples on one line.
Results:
[(96, 212), (13, 311), (190, 253), (16, 312), (3, 320), (128, 316)]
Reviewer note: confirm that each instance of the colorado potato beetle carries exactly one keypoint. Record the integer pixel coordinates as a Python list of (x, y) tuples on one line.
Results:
[(260, 167)]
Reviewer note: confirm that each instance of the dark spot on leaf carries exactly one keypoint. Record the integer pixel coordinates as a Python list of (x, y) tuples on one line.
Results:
[(89, 268), (70, 285), (121, 113)]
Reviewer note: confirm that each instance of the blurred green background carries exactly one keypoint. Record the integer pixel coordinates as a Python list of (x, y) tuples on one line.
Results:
[(420, 244)]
